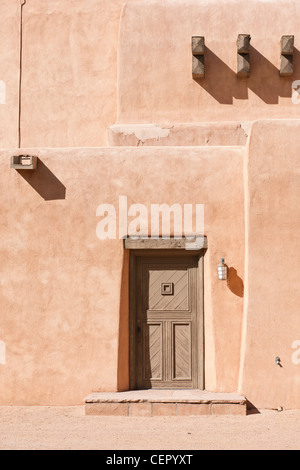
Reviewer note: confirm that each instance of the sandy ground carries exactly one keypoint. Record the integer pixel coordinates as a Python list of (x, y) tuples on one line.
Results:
[(67, 428)]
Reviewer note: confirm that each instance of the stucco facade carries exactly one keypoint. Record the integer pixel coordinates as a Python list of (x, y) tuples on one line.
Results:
[(102, 93)]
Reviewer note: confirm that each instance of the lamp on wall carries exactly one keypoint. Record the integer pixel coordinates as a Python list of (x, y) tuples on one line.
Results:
[(222, 270)]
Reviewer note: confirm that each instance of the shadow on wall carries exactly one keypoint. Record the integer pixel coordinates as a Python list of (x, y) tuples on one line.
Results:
[(235, 283), (222, 83), (123, 346), (251, 409), (44, 182)]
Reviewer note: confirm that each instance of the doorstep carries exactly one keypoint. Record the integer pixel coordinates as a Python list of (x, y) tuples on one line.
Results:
[(150, 403)]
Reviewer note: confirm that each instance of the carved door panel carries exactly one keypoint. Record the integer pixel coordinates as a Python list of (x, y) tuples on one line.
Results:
[(166, 323)]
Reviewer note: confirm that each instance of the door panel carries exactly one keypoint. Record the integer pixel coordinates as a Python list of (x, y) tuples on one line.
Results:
[(182, 351), (162, 292), (152, 351), (165, 325)]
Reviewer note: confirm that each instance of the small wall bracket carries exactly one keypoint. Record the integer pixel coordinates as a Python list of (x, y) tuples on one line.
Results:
[(23, 162)]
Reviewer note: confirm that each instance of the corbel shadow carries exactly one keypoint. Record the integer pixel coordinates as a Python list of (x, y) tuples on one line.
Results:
[(44, 182), (220, 81), (265, 80), (223, 84)]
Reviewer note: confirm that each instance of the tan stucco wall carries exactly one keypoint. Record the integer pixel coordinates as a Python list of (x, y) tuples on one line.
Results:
[(98, 72), (271, 322), (61, 295), (130, 63), (69, 72), (155, 71), (9, 72)]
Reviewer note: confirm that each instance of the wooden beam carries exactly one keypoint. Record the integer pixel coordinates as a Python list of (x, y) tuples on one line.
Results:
[(195, 244)]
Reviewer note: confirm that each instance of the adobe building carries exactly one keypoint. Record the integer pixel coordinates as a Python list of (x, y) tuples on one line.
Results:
[(149, 102)]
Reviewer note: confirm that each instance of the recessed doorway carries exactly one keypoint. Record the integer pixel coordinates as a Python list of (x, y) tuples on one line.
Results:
[(166, 319)]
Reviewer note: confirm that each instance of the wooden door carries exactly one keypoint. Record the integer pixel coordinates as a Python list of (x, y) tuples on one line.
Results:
[(165, 324)]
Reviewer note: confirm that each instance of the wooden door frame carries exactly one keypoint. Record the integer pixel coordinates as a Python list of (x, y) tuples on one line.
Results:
[(136, 254)]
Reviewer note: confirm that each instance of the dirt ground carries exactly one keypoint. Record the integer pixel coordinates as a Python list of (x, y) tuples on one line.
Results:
[(67, 428)]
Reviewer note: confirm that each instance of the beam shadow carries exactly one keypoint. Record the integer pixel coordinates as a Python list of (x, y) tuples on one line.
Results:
[(222, 83), (44, 182)]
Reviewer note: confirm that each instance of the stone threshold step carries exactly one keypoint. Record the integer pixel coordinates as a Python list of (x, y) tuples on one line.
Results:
[(152, 403)]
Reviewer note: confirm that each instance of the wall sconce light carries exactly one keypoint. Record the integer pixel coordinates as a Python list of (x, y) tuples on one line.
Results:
[(278, 361), (222, 270), (23, 162)]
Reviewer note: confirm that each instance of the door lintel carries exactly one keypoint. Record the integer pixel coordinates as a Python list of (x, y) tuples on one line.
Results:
[(196, 244)]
